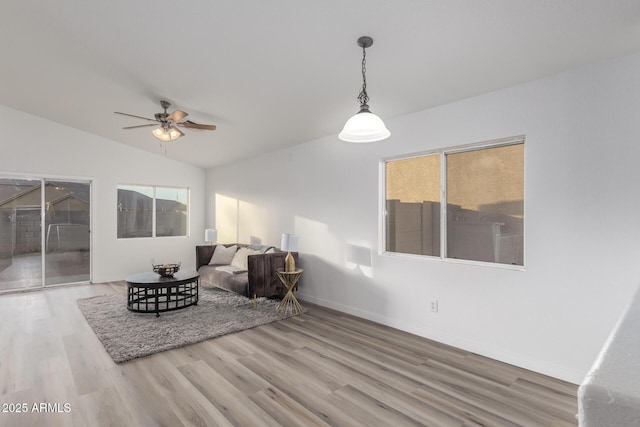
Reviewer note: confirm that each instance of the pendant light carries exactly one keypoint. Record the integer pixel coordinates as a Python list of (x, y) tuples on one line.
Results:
[(364, 126)]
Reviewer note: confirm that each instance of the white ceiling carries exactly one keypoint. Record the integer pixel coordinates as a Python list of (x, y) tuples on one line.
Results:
[(272, 74)]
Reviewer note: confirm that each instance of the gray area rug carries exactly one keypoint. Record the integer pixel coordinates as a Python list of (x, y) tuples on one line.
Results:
[(127, 335)]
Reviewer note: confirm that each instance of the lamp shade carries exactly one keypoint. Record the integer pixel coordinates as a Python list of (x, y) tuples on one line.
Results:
[(364, 127), (167, 134), (174, 133), (289, 242), (210, 235), (162, 134)]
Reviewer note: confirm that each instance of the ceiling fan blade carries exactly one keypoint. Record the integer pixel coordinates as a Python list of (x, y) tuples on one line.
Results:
[(137, 117), (191, 125), (177, 116), (141, 126)]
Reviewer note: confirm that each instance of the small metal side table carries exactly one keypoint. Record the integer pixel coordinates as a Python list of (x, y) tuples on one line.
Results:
[(289, 303)]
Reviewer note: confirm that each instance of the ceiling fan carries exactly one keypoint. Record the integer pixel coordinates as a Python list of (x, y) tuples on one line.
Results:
[(168, 124)]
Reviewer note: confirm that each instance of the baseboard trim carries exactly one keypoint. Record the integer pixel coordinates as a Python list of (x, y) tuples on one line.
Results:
[(540, 366)]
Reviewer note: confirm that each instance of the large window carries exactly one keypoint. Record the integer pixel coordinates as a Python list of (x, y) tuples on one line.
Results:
[(151, 211), (465, 203)]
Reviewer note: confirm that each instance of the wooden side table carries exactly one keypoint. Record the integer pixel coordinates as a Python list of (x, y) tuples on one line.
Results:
[(289, 303)]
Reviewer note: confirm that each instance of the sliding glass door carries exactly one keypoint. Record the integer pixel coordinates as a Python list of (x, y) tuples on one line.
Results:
[(44, 232), (66, 227), (20, 238)]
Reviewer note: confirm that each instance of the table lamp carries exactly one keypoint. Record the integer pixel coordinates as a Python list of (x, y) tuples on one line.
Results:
[(210, 235), (289, 243)]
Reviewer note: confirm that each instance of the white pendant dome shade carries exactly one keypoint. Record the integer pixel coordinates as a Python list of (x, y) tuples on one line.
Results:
[(364, 127)]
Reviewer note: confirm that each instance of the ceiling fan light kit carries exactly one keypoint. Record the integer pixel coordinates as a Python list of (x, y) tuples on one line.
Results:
[(167, 134), (167, 129), (364, 126)]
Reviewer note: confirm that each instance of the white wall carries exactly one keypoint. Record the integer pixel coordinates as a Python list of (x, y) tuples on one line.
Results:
[(582, 220), (34, 147)]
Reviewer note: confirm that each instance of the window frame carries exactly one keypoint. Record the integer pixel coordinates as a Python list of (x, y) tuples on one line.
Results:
[(442, 152), (153, 210)]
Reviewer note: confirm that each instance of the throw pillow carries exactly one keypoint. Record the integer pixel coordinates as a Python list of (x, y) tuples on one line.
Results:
[(240, 258), (222, 255)]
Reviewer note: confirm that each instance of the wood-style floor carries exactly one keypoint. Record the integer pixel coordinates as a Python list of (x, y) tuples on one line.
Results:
[(321, 368)]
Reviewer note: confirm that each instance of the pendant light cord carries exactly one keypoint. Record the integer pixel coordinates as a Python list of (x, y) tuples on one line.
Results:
[(363, 97)]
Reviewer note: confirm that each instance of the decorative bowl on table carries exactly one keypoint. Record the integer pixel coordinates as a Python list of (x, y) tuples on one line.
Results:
[(166, 270)]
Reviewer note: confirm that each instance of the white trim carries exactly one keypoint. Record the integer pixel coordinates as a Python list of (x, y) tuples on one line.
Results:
[(454, 261), (43, 248), (443, 205), (153, 212), (382, 207), (512, 140), (51, 177)]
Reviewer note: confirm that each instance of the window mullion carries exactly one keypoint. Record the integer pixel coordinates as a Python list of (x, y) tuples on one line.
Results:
[(443, 205), (153, 213)]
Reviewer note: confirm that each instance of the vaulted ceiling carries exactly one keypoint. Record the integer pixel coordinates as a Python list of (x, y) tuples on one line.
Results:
[(272, 74)]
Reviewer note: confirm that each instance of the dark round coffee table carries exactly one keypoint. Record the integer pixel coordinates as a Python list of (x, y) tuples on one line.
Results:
[(151, 293)]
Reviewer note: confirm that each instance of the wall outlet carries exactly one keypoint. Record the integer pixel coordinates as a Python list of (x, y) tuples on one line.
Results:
[(434, 306)]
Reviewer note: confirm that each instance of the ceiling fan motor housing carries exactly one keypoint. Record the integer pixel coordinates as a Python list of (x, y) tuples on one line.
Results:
[(162, 117)]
